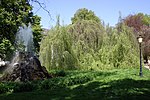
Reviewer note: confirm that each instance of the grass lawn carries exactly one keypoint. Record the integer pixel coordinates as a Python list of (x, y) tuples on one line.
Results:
[(112, 84)]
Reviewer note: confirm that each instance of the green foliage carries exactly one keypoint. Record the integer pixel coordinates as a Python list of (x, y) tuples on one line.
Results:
[(14, 87), (61, 73), (84, 14), (13, 13), (5, 48), (49, 84), (88, 45), (58, 73), (141, 25), (23, 87), (3, 88), (36, 28), (56, 50), (119, 49), (78, 79), (88, 39), (145, 18), (82, 85), (57, 82)]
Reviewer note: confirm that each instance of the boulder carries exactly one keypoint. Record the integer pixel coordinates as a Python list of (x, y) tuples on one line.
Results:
[(25, 67)]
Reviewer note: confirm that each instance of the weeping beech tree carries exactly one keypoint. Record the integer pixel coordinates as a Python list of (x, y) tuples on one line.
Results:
[(88, 38), (90, 32), (88, 45), (72, 47), (56, 50)]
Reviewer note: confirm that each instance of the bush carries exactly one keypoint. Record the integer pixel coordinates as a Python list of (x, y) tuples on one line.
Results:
[(60, 82), (59, 73), (51, 83), (18, 87), (3, 88), (24, 87), (71, 78)]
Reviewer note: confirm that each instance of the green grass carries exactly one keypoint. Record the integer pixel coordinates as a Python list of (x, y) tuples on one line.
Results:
[(90, 85)]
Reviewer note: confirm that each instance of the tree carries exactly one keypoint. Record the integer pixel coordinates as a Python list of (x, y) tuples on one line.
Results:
[(88, 45), (84, 14), (141, 25), (72, 46), (37, 36), (56, 50), (119, 49), (12, 14), (137, 21), (88, 37), (87, 32)]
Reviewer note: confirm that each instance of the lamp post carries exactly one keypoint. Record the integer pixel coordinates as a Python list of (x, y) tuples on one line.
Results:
[(140, 40)]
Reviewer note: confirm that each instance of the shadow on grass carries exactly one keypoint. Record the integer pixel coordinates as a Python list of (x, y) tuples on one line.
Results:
[(94, 90), (118, 89)]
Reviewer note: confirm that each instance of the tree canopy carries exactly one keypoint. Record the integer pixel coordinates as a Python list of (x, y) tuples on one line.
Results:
[(141, 25), (89, 45), (137, 21), (84, 14), (14, 13)]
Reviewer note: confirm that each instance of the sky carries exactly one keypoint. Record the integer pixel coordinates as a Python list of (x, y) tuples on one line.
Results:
[(106, 10)]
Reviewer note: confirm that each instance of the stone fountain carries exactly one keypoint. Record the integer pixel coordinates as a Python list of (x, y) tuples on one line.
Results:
[(25, 66)]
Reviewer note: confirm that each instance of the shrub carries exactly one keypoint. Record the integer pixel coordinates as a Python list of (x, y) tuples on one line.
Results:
[(51, 83), (77, 79), (3, 88), (61, 73), (24, 87)]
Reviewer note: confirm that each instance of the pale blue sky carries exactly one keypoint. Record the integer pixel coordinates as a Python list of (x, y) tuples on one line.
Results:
[(106, 10)]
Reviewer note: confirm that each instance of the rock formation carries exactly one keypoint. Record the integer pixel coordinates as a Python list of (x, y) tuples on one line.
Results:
[(25, 67)]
